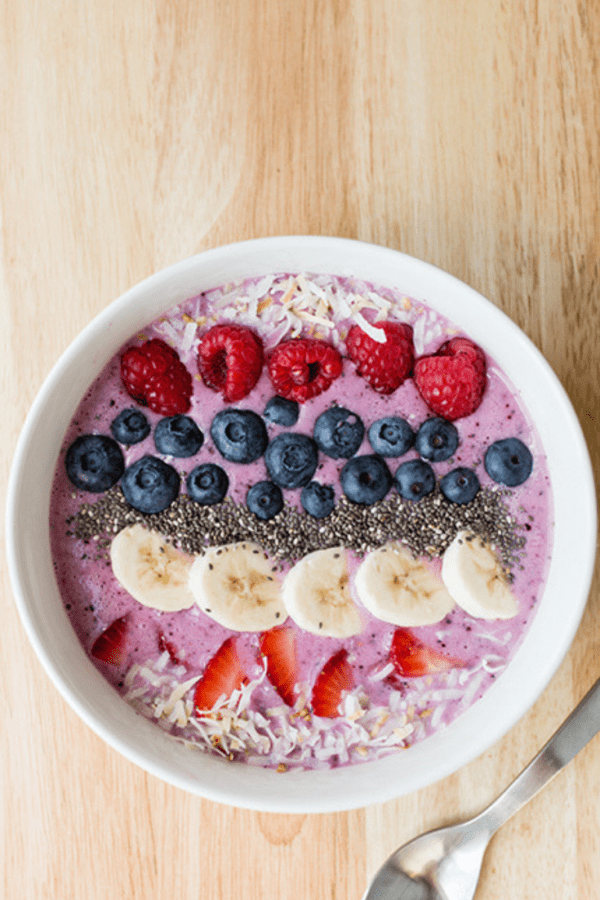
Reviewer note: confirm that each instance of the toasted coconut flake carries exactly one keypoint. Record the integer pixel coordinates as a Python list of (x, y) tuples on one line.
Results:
[(377, 334)]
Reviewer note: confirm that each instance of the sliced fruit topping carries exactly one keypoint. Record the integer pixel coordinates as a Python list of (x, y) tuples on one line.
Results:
[(335, 678), (278, 646), (94, 462), (291, 459), (153, 571), (398, 588), (386, 364), (240, 435), (474, 577), (365, 479), (508, 462), (178, 436), (316, 594), (461, 485), (230, 360), (339, 432), (412, 658), (150, 484), (452, 380), (154, 376), (222, 676), (110, 646), (236, 585), (302, 368), (175, 654)]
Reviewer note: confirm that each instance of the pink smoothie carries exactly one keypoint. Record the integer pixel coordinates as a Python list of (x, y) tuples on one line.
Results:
[(382, 713)]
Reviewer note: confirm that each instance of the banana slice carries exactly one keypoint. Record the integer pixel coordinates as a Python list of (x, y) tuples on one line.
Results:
[(153, 571), (474, 577), (400, 589), (235, 585), (316, 594)]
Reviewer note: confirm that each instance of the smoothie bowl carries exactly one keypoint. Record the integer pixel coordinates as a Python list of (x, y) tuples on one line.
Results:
[(301, 524)]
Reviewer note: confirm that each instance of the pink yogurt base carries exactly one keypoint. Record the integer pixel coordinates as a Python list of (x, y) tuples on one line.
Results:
[(393, 716)]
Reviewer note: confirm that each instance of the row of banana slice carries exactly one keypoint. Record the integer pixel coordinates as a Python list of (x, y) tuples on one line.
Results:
[(239, 587)]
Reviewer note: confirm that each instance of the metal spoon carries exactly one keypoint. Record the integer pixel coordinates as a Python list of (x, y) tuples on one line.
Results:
[(444, 864)]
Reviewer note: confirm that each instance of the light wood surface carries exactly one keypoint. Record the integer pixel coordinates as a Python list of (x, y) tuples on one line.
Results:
[(134, 134)]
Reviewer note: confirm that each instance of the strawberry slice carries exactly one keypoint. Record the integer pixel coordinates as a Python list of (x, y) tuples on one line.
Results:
[(335, 678), (174, 652), (222, 676), (109, 647), (278, 646), (412, 658)]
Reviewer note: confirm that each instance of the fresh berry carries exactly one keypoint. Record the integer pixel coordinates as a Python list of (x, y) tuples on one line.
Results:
[(230, 360), (460, 485), (130, 427), (222, 676), (291, 460), (339, 432), (302, 368), (436, 439), (280, 411), (154, 376), (452, 380), (414, 479), (365, 479), (166, 646), (391, 436), (318, 500), (508, 462), (110, 646), (178, 436), (278, 646), (384, 365), (335, 678), (240, 435), (264, 499), (94, 462), (207, 484), (412, 658), (150, 485)]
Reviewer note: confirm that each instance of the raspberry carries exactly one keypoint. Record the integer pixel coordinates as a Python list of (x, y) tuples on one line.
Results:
[(302, 368), (154, 376), (452, 380), (384, 365), (230, 360)]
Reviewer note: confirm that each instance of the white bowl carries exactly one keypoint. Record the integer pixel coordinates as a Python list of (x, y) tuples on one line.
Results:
[(90, 695)]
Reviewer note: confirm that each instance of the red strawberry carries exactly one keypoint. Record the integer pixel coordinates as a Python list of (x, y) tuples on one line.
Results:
[(412, 658), (154, 376), (230, 360), (279, 647), (302, 368), (335, 678), (175, 654), (109, 647), (384, 365), (222, 675), (452, 381)]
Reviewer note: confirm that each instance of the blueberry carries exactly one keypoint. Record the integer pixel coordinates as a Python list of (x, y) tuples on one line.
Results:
[(207, 484), (94, 462), (339, 432), (391, 436), (130, 427), (318, 499), (508, 462), (436, 439), (291, 460), (365, 479), (265, 499), (280, 411), (460, 485), (178, 436), (414, 479), (240, 435), (150, 484)]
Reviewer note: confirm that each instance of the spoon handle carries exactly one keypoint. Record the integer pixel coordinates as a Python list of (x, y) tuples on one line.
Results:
[(575, 732)]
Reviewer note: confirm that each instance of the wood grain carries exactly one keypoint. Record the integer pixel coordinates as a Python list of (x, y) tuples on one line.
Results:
[(135, 134)]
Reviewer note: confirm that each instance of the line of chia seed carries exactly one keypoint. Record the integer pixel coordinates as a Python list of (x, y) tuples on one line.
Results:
[(426, 527)]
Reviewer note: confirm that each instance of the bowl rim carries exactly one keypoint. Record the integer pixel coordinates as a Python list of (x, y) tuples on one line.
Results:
[(331, 790)]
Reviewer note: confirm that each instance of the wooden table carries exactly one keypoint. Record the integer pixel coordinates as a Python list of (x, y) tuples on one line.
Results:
[(133, 134)]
